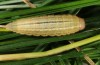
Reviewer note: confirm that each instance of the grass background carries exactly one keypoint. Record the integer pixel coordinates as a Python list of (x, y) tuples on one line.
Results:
[(15, 43)]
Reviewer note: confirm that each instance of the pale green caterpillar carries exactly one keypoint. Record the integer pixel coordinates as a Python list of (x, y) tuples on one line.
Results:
[(51, 25)]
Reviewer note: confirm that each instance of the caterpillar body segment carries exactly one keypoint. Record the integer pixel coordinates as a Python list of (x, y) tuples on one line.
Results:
[(51, 25)]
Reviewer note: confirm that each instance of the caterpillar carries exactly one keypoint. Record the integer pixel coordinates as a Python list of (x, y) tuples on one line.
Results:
[(51, 25)]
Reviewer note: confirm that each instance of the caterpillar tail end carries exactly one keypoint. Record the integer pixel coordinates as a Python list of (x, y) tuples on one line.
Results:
[(2, 26)]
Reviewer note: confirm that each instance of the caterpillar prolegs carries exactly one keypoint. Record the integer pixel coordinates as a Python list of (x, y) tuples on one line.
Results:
[(51, 25)]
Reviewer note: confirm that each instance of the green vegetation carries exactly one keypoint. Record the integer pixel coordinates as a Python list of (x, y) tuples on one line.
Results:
[(15, 43)]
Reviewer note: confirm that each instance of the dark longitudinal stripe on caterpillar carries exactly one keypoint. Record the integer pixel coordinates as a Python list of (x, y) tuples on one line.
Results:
[(50, 22), (51, 25)]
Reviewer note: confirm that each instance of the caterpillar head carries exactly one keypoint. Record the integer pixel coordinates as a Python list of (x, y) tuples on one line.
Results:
[(82, 24)]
